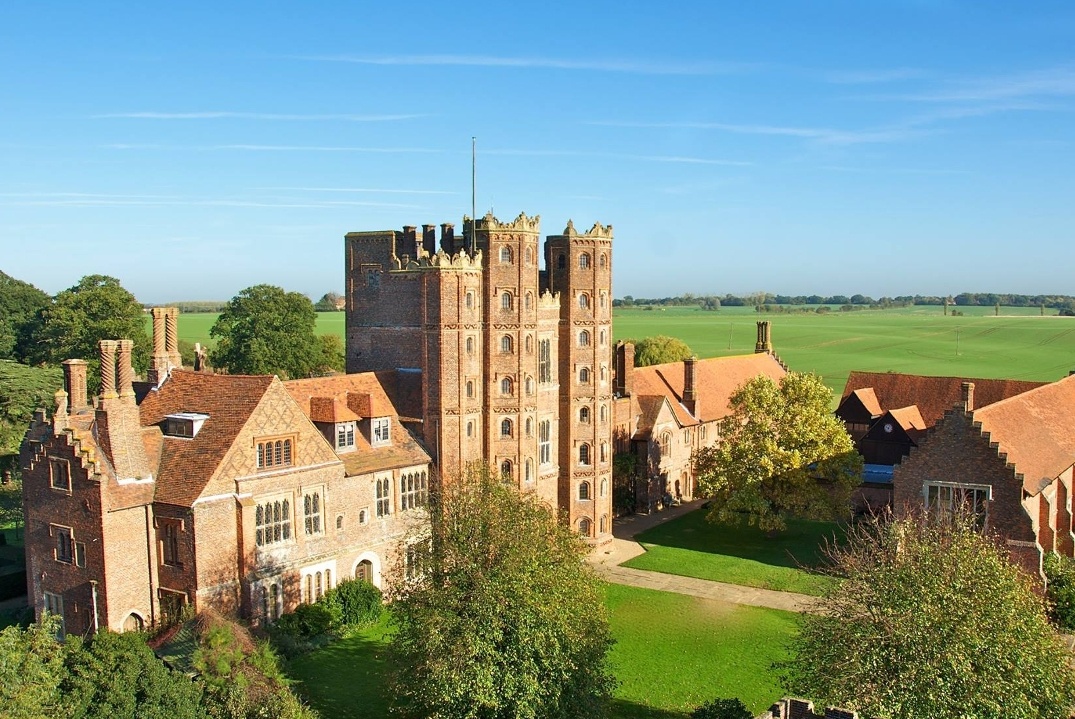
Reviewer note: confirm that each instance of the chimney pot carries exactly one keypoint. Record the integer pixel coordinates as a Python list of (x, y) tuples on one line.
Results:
[(125, 370), (108, 369)]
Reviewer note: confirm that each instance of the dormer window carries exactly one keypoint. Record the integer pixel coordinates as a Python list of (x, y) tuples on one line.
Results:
[(345, 436), (380, 431), (184, 425)]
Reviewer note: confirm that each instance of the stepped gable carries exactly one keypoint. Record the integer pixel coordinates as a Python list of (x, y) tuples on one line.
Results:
[(932, 395), (187, 465), (1036, 430), (716, 380)]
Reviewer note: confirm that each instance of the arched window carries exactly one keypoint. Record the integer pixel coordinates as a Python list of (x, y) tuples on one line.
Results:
[(604, 523), (603, 298), (584, 415), (584, 375), (584, 454), (529, 470), (584, 261), (505, 255), (666, 443), (507, 387), (604, 487), (603, 261), (584, 338), (603, 413), (529, 386), (470, 300), (603, 338), (561, 262), (585, 527), (364, 571), (470, 429), (470, 345), (604, 454), (529, 300), (584, 491), (584, 301), (505, 428), (505, 345), (505, 470), (339, 522), (529, 256), (470, 388), (530, 344), (544, 441), (529, 427), (506, 301), (604, 374)]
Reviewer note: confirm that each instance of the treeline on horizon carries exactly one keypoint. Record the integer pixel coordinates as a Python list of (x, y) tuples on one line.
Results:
[(762, 299)]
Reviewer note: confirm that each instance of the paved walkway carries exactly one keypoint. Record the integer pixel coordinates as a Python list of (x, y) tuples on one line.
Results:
[(606, 561)]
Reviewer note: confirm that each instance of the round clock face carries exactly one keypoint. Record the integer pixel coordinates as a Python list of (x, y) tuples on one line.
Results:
[(888, 427)]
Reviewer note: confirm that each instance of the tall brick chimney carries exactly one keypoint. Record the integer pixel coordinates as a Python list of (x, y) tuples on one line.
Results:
[(429, 239), (625, 369), (690, 385), (108, 369), (447, 238), (74, 382), (125, 370), (764, 343), (968, 396), (410, 242), (165, 343)]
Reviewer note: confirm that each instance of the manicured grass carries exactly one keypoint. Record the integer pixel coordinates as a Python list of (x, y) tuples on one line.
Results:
[(692, 547), (195, 326), (672, 653), (1019, 344)]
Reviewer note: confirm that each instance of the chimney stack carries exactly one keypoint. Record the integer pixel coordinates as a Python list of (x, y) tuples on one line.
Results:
[(108, 369), (690, 385), (165, 344), (968, 396), (429, 239), (125, 379), (74, 382), (447, 238), (764, 343), (410, 241)]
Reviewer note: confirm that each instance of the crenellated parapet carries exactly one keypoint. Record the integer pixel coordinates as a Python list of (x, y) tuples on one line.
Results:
[(522, 223), (549, 300)]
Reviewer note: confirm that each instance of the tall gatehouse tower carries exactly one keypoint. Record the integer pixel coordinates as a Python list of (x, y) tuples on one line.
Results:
[(514, 361)]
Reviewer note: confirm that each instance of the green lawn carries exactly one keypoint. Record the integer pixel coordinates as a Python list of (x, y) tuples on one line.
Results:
[(672, 653), (195, 326), (692, 547)]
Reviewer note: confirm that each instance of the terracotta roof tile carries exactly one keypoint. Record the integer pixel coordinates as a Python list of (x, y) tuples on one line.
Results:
[(1036, 429), (366, 394), (908, 417), (401, 452), (330, 409), (869, 401), (933, 395), (187, 465), (716, 379)]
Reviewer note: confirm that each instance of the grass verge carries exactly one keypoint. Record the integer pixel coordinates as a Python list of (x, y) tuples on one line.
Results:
[(692, 547)]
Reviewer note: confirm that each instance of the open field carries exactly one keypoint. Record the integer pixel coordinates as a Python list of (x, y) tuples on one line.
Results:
[(691, 547), (672, 653), (1019, 344)]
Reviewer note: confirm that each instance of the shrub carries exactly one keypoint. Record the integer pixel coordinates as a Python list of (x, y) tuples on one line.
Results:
[(353, 602), (1060, 590), (722, 709), (308, 620)]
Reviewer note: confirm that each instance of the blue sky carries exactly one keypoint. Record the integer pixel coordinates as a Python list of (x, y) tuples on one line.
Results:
[(828, 147)]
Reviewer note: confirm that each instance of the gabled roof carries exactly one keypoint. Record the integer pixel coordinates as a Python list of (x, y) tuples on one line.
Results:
[(187, 465), (909, 418), (365, 394), (869, 401), (933, 395), (1036, 429), (716, 379), (649, 409)]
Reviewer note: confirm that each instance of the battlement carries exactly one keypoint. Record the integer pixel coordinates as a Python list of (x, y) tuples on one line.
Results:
[(522, 223), (549, 300), (598, 231), (461, 260)]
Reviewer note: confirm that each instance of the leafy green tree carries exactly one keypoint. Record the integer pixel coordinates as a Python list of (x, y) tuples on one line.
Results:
[(31, 669), (117, 676), (722, 709), (931, 620), (97, 308), (332, 351), (22, 390), (782, 454), (503, 620), (329, 302), (660, 349), (19, 303), (265, 330)]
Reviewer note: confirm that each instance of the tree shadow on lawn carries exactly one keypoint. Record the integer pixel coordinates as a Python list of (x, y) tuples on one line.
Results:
[(346, 678), (624, 709), (800, 546)]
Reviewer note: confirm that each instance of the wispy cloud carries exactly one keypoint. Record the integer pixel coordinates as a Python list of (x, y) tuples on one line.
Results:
[(820, 134), (214, 115), (894, 170), (617, 65), (370, 190), (621, 156), (269, 148), (1055, 82), (873, 77), (94, 199)]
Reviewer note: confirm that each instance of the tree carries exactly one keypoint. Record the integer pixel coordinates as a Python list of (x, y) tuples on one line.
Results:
[(22, 390), (265, 330), (660, 349), (31, 667), (331, 357), (19, 302), (504, 619), (782, 454), (931, 620), (329, 302), (97, 308), (722, 709)]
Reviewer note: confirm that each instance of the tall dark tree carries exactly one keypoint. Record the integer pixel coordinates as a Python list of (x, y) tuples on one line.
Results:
[(97, 308), (19, 303), (501, 619), (266, 330)]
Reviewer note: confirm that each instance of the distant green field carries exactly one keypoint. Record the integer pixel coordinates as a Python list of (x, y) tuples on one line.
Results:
[(1019, 344)]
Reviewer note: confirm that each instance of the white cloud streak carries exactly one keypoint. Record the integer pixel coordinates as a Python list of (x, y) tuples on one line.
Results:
[(92, 199), (820, 134), (621, 156), (370, 190), (269, 148), (281, 117)]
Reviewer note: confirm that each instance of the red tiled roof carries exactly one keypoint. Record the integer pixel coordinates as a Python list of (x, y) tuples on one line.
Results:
[(716, 379), (331, 409), (364, 393), (869, 401), (908, 417), (1036, 429), (187, 465), (933, 395)]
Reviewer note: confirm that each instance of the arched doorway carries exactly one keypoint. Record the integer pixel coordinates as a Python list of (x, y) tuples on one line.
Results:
[(364, 571), (133, 623)]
